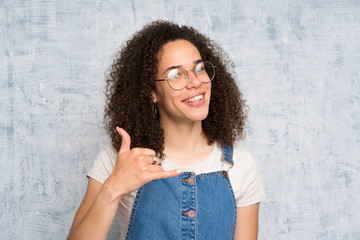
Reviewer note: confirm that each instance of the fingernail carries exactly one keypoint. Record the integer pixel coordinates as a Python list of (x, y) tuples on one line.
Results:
[(179, 171)]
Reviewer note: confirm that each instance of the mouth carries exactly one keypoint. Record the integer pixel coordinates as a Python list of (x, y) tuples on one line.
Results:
[(194, 99)]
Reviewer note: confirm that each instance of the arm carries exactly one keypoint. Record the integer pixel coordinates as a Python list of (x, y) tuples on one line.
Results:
[(247, 222), (95, 207), (133, 168)]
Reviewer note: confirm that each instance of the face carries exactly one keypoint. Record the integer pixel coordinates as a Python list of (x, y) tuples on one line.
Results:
[(190, 104)]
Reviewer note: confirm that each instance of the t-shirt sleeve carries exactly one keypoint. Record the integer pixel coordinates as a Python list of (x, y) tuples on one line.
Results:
[(103, 165), (246, 179)]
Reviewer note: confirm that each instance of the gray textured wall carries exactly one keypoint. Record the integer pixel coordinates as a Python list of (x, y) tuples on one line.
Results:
[(297, 63)]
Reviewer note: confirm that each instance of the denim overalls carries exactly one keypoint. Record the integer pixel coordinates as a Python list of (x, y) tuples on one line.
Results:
[(187, 206)]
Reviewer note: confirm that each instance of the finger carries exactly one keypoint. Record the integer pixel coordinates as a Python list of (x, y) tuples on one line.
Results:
[(125, 140), (154, 160), (155, 168), (166, 174)]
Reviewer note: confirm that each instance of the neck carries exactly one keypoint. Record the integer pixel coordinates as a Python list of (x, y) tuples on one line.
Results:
[(186, 143)]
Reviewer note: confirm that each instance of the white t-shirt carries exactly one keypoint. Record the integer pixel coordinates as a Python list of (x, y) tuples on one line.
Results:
[(244, 176)]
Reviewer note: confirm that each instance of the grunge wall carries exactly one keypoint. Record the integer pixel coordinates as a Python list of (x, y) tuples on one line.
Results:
[(297, 63)]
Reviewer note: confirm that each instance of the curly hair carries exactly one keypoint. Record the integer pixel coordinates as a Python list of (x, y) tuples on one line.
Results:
[(130, 82)]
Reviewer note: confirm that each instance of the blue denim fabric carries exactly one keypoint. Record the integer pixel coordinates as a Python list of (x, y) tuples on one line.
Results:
[(187, 206)]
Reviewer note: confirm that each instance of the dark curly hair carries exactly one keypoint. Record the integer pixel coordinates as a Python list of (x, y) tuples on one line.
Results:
[(130, 82)]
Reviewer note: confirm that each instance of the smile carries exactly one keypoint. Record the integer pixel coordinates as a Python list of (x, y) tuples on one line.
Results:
[(194, 99)]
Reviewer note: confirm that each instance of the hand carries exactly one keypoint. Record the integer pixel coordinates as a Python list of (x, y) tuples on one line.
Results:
[(134, 168)]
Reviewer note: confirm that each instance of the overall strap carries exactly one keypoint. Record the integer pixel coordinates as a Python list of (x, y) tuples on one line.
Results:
[(227, 158), (228, 154)]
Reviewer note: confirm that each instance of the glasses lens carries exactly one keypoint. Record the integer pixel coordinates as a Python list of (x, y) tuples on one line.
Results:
[(205, 71), (177, 78)]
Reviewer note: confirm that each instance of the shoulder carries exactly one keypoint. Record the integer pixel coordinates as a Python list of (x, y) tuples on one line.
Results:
[(108, 152), (103, 164), (243, 162), (242, 157), (107, 156), (245, 177)]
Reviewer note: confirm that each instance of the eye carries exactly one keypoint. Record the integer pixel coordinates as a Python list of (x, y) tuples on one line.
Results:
[(175, 73), (199, 68)]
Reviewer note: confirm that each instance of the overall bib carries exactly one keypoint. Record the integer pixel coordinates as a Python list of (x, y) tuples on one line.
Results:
[(187, 206)]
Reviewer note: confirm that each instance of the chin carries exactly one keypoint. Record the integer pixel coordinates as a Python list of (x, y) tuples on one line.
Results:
[(199, 117)]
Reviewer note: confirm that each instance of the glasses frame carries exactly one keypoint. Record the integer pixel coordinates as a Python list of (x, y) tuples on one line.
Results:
[(187, 76)]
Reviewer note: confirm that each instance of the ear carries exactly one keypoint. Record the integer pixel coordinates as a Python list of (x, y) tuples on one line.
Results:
[(154, 97)]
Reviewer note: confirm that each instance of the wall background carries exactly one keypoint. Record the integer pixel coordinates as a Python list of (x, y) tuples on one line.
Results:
[(297, 63)]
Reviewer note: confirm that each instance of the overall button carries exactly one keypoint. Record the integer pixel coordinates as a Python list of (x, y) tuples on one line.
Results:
[(190, 213), (224, 174), (191, 180)]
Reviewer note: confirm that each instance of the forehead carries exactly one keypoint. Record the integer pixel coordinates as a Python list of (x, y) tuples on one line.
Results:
[(178, 52)]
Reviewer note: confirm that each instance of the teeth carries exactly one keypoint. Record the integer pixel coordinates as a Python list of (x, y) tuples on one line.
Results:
[(195, 99)]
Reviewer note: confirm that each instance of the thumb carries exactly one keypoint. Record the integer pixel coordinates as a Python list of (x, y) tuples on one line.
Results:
[(125, 140)]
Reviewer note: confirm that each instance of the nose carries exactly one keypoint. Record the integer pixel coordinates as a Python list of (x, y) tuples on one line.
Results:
[(192, 80)]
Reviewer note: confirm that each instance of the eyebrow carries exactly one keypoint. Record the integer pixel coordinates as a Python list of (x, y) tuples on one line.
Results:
[(178, 66)]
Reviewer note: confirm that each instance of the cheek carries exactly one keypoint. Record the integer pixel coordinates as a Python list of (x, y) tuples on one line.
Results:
[(159, 92), (209, 87), (169, 100), (162, 96)]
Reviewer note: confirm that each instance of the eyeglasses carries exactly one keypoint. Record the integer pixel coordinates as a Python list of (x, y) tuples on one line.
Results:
[(178, 77)]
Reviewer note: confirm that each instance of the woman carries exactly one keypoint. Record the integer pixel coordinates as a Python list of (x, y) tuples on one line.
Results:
[(178, 173)]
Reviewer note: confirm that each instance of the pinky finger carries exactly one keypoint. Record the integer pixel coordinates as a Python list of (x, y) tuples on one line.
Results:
[(167, 174)]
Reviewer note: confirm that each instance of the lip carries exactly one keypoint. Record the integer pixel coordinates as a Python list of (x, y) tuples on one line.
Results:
[(193, 96), (199, 103)]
